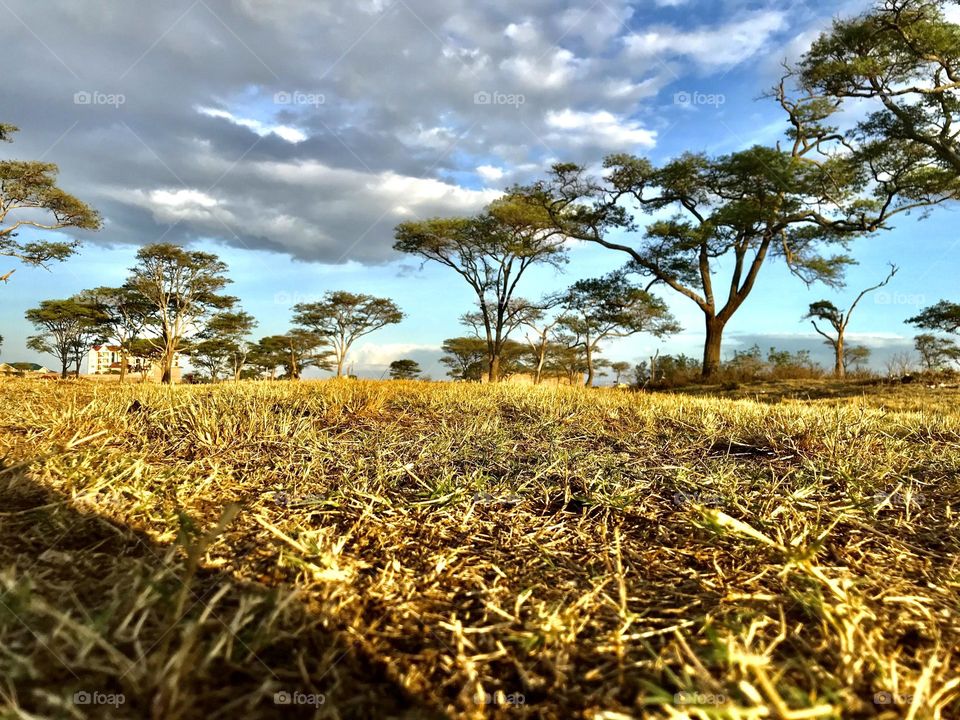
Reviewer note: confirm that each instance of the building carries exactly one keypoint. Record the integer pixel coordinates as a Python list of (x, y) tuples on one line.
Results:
[(23, 368), (106, 360)]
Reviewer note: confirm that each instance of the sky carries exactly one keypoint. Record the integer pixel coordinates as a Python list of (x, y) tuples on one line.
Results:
[(291, 136)]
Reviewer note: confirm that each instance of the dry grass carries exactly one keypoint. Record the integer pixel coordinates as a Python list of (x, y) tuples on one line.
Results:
[(424, 550)]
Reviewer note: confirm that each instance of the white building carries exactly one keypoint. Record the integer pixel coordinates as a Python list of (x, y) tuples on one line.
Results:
[(106, 360)]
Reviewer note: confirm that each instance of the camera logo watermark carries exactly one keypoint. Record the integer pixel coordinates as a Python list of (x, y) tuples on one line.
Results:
[(299, 97), (693, 497), (499, 698), (86, 97), (891, 698), (285, 697), (685, 98), (94, 697), (498, 98), (885, 297), (699, 698)]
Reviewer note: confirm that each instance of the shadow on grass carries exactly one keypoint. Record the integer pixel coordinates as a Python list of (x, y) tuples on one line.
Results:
[(99, 621)]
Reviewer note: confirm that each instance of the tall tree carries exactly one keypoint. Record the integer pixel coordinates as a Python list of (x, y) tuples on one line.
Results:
[(67, 330), (598, 309), (491, 251), (182, 287), (123, 312), (943, 317), (343, 317), (900, 60), (826, 311), (738, 210), (30, 198)]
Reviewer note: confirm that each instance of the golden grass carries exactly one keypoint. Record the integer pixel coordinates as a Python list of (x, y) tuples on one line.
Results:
[(447, 550)]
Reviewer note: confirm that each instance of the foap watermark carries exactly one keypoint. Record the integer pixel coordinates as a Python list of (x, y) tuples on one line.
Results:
[(898, 498), (891, 698), (501, 698), (697, 497), (885, 297), (95, 697), (490, 499), (288, 298), (699, 698), (483, 97), (687, 98), (299, 97), (296, 697), (95, 97)]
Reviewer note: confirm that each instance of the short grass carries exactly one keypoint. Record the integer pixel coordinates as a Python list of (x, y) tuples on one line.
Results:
[(412, 550)]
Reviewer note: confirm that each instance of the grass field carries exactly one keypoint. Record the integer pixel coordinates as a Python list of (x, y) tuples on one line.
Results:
[(412, 550)]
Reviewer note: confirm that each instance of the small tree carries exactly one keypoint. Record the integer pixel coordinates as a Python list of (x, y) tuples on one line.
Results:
[(491, 251), (222, 344), (343, 317), (465, 356), (123, 312), (295, 351), (619, 367), (68, 329), (826, 311), (856, 357), (611, 307), (28, 192), (182, 288), (404, 369), (936, 352)]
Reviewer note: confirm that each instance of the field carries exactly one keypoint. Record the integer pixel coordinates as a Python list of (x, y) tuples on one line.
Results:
[(412, 550)]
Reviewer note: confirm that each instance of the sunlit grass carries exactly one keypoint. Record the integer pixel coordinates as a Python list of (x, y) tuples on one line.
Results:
[(420, 550)]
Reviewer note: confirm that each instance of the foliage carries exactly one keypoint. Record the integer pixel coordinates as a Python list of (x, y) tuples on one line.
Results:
[(67, 329), (341, 318), (404, 369), (28, 194), (182, 288)]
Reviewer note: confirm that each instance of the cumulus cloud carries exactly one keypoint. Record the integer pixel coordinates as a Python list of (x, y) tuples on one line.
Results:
[(312, 128)]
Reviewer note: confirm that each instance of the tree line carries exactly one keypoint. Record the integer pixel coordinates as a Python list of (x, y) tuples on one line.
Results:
[(801, 202)]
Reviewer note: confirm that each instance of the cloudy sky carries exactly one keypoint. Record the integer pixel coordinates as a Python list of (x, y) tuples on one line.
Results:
[(291, 136)]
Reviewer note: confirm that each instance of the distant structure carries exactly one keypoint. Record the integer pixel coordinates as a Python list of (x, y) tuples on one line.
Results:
[(106, 359), (23, 368)]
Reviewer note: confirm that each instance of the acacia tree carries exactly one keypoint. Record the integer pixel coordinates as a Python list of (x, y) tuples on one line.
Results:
[(404, 369), (541, 324), (30, 198), (222, 345), (936, 352), (343, 317), (826, 311), (619, 367), (902, 58), (182, 288), (491, 251), (68, 328), (597, 309), (295, 351), (123, 313)]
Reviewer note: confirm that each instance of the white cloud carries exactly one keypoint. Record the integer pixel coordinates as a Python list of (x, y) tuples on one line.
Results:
[(720, 46), (600, 128), (290, 134), (489, 173)]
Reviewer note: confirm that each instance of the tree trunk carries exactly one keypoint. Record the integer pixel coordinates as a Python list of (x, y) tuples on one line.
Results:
[(123, 366), (839, 368), (340, 360), (64, 368), (589, 354), (166, 360), (712, 346), (493, 374)]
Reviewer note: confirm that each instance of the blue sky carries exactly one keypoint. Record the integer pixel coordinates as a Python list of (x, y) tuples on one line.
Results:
[(291, 137)]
